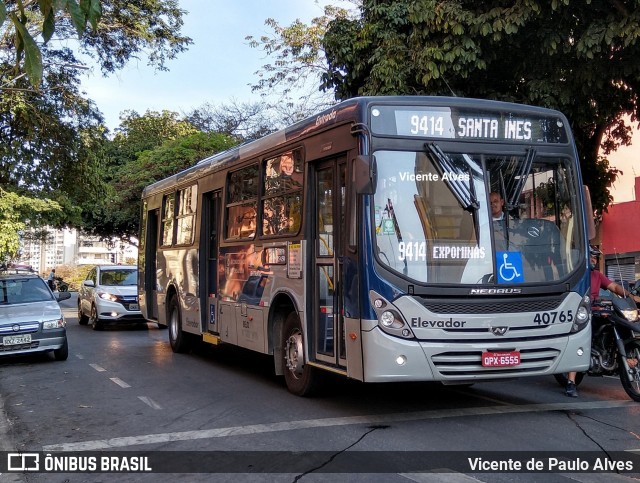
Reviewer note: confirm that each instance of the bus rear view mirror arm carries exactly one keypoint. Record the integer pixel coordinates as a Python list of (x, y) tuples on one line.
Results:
[(365, 174)]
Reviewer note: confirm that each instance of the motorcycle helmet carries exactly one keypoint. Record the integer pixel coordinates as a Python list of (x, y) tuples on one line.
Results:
[(594, 251)]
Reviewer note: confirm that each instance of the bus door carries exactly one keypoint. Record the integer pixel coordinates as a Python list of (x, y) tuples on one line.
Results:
[(209, 244), (327, 325), (150, 273)]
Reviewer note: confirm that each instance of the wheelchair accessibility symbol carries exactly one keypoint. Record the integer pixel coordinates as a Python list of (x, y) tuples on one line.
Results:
[(509, 267)]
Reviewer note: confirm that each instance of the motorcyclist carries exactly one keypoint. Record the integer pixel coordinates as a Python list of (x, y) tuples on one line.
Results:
[(598, 281)]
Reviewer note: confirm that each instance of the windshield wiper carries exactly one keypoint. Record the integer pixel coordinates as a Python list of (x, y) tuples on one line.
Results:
[(519, 178), (465, 194)]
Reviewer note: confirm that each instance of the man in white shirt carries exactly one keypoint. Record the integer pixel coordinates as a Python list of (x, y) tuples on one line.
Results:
[(497, 206)]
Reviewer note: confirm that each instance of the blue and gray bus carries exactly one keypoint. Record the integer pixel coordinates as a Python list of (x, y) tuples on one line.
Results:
[(362, 242)]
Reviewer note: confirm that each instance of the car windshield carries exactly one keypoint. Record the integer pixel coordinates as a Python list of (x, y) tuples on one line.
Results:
[(118, 277), (23, 290), (434, 223)]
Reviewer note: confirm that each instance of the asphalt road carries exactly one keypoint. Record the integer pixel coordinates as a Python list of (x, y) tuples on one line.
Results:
[(222, 415)]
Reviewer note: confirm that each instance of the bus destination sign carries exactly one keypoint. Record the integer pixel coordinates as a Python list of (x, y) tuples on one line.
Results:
[(455, 123)]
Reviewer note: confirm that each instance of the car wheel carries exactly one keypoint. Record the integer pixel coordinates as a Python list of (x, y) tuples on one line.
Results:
[(96, 324), (82, 319), (63, 353)]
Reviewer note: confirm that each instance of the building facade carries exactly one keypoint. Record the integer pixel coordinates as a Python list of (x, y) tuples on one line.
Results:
[(620, 239), (67, 247)]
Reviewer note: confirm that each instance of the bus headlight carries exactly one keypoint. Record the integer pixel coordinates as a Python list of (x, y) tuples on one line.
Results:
[(583, 315), (389, 318)]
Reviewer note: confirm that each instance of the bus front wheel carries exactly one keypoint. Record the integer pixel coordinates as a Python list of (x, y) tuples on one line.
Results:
[(301, 378), (177, 338)]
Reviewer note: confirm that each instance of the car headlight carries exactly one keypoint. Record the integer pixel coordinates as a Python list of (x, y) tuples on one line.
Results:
[(108, 296), (53, 324)]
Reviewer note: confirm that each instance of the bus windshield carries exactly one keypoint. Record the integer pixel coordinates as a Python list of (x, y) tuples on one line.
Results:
[(434, 222)]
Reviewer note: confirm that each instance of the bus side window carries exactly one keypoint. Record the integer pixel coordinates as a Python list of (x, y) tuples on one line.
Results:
[(242, 202), (242, 221)]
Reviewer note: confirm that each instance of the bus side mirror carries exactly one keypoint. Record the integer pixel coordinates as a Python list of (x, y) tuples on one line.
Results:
[(588, 208), (365, 174)]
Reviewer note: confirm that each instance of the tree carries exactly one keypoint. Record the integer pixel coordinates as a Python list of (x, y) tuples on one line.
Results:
[(110, 31), (18, 213), (578, 57), (145, 149), (26, 19), (299, 62), (244, 121), (173, 156), (52, 139)]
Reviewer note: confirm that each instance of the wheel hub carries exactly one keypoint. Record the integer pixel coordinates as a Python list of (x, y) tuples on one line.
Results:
[(293, 354)]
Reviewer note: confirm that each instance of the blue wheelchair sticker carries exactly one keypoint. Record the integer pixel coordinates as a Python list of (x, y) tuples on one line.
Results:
[(509, 267)]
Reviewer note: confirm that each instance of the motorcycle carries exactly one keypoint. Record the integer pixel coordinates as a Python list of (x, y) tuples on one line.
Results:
[(60, 285), (615, 343)]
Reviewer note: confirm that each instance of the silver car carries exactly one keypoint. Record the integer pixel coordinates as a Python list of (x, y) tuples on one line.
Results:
[(109, 295), (30, 317)]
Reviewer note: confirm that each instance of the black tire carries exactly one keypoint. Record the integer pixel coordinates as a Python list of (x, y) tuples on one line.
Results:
[(180, 342), (82, 319), (301, 378), (63, 353), (631, 381), (96, 324), (562, 378)]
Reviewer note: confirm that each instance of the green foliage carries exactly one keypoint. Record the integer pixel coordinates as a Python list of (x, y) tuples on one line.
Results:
[(579, 58), (146, 149), (17, 213), (299, 60), (28, 17), (53, 144)]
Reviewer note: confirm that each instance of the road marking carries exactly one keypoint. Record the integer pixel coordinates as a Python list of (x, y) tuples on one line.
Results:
[(79, 356), (120, 382), (439, 476), (150, 402), (98, 368), (125, 441), (598, 477)]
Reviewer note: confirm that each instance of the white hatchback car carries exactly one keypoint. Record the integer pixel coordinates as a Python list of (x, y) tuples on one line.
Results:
[(109, 295)]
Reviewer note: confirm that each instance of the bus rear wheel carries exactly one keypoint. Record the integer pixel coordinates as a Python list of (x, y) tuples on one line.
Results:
[(301, 378), (179, 341)]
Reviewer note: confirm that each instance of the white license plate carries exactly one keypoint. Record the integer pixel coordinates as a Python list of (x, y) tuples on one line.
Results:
[(16, 339), (133, 307)]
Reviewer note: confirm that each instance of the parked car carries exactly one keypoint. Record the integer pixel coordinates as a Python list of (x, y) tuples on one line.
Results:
[(109, 295), (30, 316)]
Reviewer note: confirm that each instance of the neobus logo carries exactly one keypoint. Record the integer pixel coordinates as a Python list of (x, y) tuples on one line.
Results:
[(326, 118), (494, 291)]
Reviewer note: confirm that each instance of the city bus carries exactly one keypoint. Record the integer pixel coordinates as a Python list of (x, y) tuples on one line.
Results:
[(361, 242)]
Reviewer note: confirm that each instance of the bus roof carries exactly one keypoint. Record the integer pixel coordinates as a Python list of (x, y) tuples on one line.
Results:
[(351, 110)]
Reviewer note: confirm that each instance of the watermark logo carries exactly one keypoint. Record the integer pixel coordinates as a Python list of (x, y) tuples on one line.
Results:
[(23, 462)]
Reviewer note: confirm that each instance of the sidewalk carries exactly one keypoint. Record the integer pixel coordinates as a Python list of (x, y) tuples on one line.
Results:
[(6, 444)]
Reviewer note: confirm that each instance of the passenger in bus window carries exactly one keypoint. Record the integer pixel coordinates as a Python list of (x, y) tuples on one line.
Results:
[(286, 165), (248, 224)]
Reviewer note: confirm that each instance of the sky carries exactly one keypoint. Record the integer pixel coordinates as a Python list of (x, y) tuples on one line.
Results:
[(220, 65), (217, 68)]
